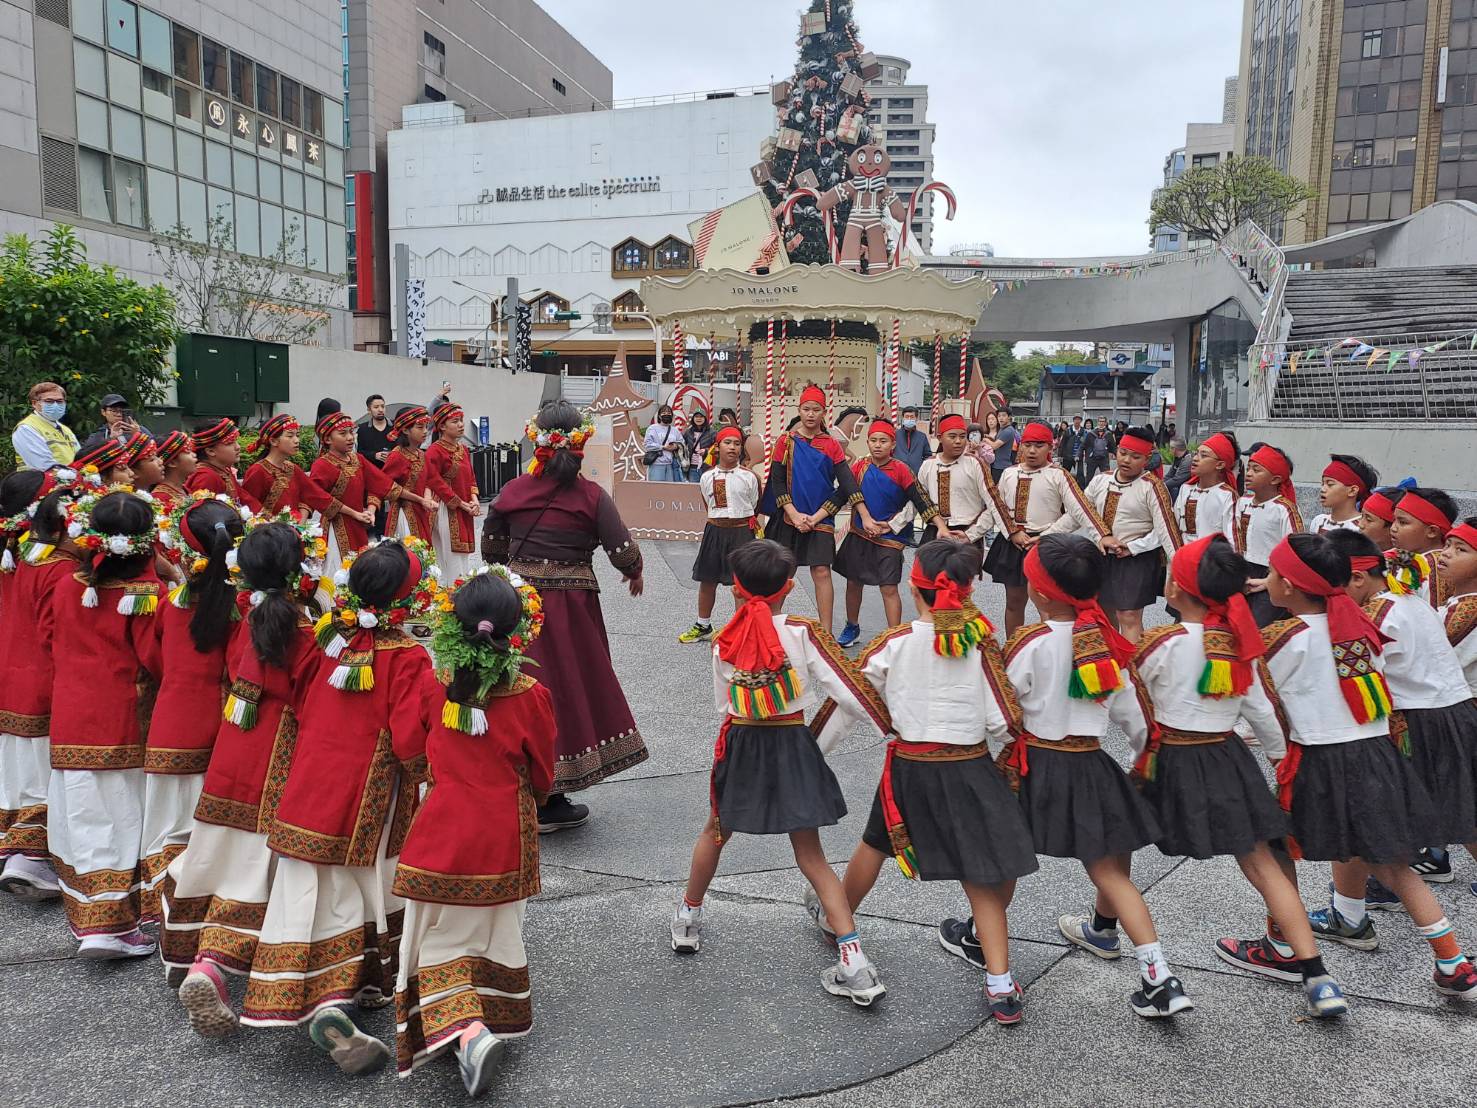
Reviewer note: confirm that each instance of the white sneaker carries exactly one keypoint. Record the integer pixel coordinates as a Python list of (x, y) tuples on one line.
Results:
[(478, 1061), (103, 948), (863, 985), (817, 912), (30, 878), (687, 929), (354, 1052)]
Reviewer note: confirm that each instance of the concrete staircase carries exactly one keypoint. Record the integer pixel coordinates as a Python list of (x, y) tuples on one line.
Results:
[(1389, 308)]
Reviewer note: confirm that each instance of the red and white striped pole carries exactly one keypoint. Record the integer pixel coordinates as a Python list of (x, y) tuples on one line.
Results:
[(938, 374), (831, 369), (679, 356), (963, 364), (769, 389), (893, 370), (784, 364)]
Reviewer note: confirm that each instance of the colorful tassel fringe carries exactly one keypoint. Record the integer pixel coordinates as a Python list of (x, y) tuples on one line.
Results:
[(34, 551), (7, 561), (240, 711), (907, 862), (464, 718), (179, 596), (89, 597), (1368, 696), (1096, 679), (353, 677), (956, 644), (767, 700), (1223, 677), (328, 633), (140, 601), (1146, 766)]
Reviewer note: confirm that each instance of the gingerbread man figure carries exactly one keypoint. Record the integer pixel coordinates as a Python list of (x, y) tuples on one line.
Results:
[(870, 197)]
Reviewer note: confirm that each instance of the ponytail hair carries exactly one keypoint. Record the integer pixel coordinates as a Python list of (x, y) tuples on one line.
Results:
[(216, 526), (17, 492), (119, 513), (268, 557), (488, 610)]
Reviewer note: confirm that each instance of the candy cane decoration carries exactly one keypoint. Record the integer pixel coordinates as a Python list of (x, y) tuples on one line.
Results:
[(679, 356), (712, 374), (893, 371), (769, 388), (784, 381), (963, 364), (933, 186), (938, 374), (786, 214), (831, 369)]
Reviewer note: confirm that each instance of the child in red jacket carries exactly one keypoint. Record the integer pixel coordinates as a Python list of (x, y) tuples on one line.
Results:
[(98, 629), (450, 477), (491, 753), (412, 511)]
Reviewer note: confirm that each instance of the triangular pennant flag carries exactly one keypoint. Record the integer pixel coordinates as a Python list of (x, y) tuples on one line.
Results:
[(1328, 357), (1376, 353), (1414, 356), (1360, 350), (1438, 346), (1395, 356), (1292, 365)]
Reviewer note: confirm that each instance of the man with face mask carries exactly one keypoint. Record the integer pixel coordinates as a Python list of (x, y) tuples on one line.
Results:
[(42, 440), (912, 450)]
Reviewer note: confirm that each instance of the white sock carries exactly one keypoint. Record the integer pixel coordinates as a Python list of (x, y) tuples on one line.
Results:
[(1351, 908), (853, 958), (689, 911), (1152, 966), (998, 984)]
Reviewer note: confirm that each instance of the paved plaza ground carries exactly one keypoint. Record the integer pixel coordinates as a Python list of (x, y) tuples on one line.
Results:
[(621, 1020)]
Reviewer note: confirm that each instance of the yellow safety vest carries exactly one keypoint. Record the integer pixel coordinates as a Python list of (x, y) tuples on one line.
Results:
[(57, 436)]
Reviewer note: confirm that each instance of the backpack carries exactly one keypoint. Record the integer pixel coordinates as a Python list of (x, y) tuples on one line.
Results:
[(1099, 446)]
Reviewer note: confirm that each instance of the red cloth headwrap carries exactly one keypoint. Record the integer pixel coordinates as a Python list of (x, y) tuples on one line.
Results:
[(412, 577), (952, 423), (1380, 506), (1225, 450), (1463, 531), (949, 595), (277, 425), (1037, 432), (1346, 476), (813, 395), (1233, 615), (749, 642), (729, 432), (221, 431), (1088, 611), (330, 423), (1135, 445), (1275, 462), (1347, 621), (173, 443), (1421, 509), (882, 427)]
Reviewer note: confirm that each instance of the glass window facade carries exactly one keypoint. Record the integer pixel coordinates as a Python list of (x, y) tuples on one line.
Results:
[(1219, 369), (1456, 171), (174, 128)]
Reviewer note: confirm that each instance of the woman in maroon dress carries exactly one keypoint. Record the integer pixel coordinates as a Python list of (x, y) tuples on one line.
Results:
[(545, 526)]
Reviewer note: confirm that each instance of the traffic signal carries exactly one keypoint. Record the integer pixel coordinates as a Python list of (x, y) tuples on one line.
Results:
[(522, 337)]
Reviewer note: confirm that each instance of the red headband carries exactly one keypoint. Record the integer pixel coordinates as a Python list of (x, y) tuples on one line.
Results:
[(446, 412), (184, 527), (1233, 614), (1037, 432), (949, 595), (277, 425), (1135, 445), (412, 577), (140, 447), (330, 423), (729, 432), (1088, 611), (749, 642), (813, 395), (1463, 531), (1421, 509), (219, 432), (173, 443), (952, 423), (1275, 462), (1368, 562), (1346, 620), (407, 419), (1344, 475), (1380, 506), (882, 427)]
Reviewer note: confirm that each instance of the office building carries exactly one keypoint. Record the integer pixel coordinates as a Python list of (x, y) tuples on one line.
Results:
[(899, 117), (579, 208), (498, 61), (122, 117), (1374, 105), (1206, 145)]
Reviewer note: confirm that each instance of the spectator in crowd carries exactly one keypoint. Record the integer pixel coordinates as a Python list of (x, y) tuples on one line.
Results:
[(374, 433), (41, 440), (1004, 444), (1070, 447), (912, 444), (697, 438), (118, 424), (976, 445), (663, 446), (727, 417), (1097, 448), (1179, 472)]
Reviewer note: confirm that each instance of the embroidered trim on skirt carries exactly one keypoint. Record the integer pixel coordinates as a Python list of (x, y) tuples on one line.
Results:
[(216, 900), (25, 770), (774, 780), (1212, 799), (169, 817), (95, 832)]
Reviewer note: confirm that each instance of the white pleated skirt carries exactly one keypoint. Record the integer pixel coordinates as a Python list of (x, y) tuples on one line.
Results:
[(25, 770), (95, 829)]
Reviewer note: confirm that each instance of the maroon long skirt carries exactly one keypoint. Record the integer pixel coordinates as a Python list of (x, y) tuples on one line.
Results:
[(597, 734)]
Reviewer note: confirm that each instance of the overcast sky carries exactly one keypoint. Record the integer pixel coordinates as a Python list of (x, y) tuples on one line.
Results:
[(1053, 116)]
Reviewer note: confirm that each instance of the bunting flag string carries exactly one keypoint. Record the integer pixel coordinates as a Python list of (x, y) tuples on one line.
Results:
[(1359, 350)]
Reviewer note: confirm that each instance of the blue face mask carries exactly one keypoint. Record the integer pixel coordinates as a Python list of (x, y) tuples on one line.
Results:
[(910, 423), (53, 409)]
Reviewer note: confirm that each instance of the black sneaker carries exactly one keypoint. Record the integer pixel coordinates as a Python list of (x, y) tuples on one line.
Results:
[(1006, 1008), (958, 938), (559, 814), (1167, 998), (1433, 864)]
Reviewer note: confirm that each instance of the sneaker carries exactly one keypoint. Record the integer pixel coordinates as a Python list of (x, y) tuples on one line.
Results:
[(30, 879), (817, 912), (560, 814), (1433, 864), (1259, 956), (1007, 1008), (1325, 998), (104, 948), (1462, 984), (698, 632), (958, 938), (1377, 898), (478, 1061), (1328, 924), (1162, 1000), (863, 986), (849, 635), (338, 1036), (206, 1002), (370, 998), (687, 931), (1474, 888), (1078, 930)]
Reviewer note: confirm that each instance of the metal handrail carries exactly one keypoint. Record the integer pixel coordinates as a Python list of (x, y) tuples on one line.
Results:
[(1255, 251)]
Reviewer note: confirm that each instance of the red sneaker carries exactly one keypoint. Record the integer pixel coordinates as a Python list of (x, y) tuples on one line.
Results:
[(203, 993), (1462, 984), (1259, 956)]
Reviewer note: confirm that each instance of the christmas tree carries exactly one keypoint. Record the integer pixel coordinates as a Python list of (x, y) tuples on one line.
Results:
[(822, 117)]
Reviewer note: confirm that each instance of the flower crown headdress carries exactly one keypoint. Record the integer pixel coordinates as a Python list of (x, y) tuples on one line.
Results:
[(181, 548), (141, 599), (302, 584), (346, 630), (68, 482), (547, 441), (452, 649)]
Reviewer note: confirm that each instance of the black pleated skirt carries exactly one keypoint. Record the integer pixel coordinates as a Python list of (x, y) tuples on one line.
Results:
[(712, 553), (1212, 799), (962, 819), (1133, 582), (811, 548), (867, 563), (1080, 804), (1005, 563), (1262, 608), (1361, 799), (1443, 750), (774, 780)]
